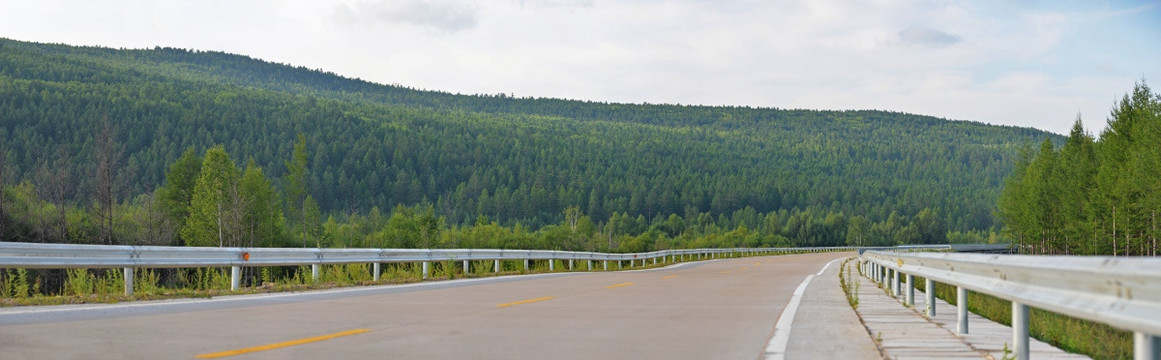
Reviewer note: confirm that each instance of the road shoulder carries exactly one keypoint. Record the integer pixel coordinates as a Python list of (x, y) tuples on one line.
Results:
[(825, 326)]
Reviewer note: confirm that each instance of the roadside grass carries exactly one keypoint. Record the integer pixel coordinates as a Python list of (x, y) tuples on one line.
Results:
[(850, 284), (1067, 333)]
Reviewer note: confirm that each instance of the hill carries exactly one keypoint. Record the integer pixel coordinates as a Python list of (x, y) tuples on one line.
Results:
[(513, 160)]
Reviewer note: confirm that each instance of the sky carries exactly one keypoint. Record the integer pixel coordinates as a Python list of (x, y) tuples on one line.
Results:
[(1019, 62)]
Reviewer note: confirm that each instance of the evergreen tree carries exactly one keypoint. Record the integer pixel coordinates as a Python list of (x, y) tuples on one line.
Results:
[(1077, 167), (295, 186)]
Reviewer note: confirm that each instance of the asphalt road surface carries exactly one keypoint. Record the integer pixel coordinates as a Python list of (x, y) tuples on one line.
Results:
[(717, 309)]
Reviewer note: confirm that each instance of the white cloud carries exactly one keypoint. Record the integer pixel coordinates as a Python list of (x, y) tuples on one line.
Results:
[(446, 16), (923, 36)]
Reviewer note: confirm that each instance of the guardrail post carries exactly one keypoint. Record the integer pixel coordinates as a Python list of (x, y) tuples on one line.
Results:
[(1146, 347), (961, 303), (235, 277), (127, 273), (314, 272), (929, 291), (426, 269), (895, 283), (1020, 330), (375, 270), (466, 270), (525, 264), (496, 266), (569, 264), (590, 263), (910, 290), (620, 265), (654, 261), (551, 264), (606, 265)]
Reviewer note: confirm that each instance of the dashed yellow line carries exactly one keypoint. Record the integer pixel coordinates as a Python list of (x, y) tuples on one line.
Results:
[(521, 302), (273, 346), (726, 272), (757, 263), (669, 277), (618, 285)]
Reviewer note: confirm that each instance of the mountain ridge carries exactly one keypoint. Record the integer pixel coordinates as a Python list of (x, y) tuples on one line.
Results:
[(379, 145)]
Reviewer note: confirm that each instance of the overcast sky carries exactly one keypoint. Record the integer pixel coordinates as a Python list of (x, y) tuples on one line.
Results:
[(1026, 63)]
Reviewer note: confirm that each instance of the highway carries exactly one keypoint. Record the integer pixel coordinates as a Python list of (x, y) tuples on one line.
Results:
[(716, 309)]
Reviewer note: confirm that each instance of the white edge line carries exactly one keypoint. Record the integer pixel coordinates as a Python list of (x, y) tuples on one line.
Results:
[(776, 348)]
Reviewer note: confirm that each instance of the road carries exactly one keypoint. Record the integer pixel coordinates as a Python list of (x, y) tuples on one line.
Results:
[(718, 309)]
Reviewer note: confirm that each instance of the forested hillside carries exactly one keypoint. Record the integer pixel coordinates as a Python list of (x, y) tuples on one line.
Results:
[(788, 176)]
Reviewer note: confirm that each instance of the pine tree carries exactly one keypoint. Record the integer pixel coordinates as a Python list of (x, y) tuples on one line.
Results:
[(296, 187), (1077, 168)]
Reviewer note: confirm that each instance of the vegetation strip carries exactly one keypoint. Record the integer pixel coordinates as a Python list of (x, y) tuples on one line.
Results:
[(619, 285), (522, 302), (273, 346)]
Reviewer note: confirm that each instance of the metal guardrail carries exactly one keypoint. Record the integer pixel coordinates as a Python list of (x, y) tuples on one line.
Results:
[(128, 258), (1122, 292)]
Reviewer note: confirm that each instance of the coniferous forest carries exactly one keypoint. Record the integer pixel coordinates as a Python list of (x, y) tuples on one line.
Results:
[(1092, 196), (177, 147)]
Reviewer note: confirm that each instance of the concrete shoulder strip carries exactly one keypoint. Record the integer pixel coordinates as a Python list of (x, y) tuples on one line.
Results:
[(776, 348)]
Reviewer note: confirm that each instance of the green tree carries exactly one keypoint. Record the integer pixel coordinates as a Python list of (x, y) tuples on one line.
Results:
[(296, 187), (311, 220), (858, 231), (175, 197), (263, 214), (1118, 195), (208, 222), (1077, 168), (1014, 205)]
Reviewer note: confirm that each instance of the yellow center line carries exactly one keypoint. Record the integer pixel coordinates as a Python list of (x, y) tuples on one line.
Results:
[(670, 276), (744, 268), (280, 345), (525, 301), (619, 285), (726, 272), (757, 263)]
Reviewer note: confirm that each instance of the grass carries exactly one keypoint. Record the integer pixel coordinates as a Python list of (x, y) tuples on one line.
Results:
[(850, 284), (1067, 333)]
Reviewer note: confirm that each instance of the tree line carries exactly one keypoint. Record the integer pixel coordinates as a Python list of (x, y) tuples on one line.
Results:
[(1092, 196), (208, 200)]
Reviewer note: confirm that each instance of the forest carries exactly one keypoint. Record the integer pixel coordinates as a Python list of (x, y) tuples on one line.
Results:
[(1092, 196), (178, 147)]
